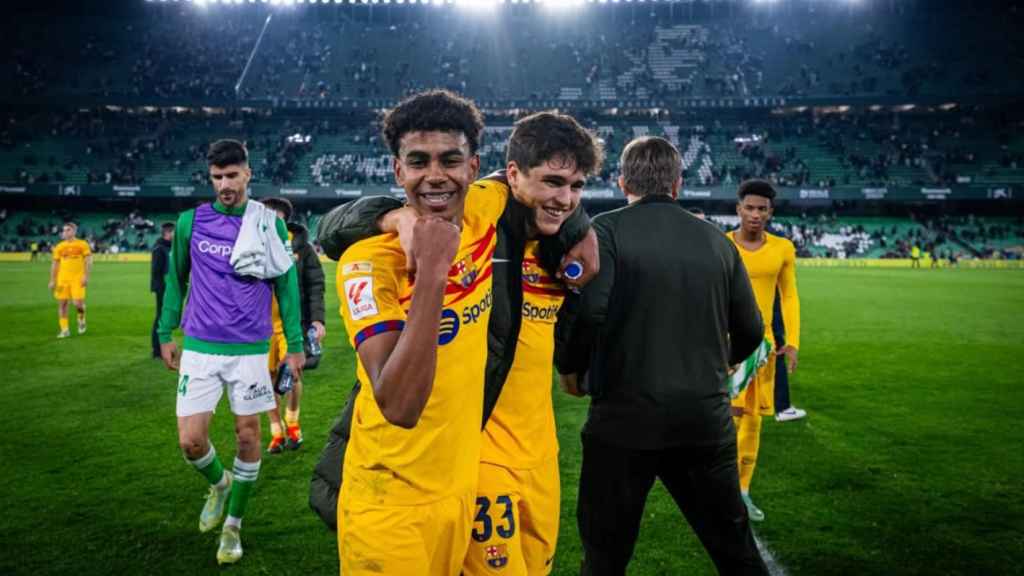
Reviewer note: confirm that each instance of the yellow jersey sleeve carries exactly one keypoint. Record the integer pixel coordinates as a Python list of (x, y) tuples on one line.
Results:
[(486, 199), (58, 250), (788, 292), (370, 276), (521, 430)]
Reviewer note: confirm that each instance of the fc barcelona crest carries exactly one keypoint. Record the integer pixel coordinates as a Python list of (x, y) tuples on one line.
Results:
[(496, 556), (466, 270), (531, 272)]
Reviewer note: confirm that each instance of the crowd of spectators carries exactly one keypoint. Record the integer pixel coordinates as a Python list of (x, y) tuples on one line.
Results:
[(179, 52), (824, 150)]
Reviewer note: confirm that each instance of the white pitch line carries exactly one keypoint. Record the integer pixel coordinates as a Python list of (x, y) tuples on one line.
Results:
[(774, 568)]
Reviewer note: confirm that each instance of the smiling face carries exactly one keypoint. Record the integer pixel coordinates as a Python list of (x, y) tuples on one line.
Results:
[(230, 183), (550, 190), (436, 169)]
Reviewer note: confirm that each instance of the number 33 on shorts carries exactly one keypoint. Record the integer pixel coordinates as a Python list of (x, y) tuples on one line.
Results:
[(496, 543)]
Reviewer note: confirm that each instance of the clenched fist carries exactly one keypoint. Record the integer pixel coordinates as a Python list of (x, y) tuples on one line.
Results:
[(435, 243)]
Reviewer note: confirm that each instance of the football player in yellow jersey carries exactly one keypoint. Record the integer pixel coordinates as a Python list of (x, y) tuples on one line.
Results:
[(771, 263), (69, 276), (515, 529), (410, 470), (311, 296)]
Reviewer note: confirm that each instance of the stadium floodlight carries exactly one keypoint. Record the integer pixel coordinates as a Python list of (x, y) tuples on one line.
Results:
[(560, 4), (476, 4)]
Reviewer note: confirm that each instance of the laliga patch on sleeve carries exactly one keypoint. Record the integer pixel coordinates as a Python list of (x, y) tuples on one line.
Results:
[(362, 267), (359, 295)]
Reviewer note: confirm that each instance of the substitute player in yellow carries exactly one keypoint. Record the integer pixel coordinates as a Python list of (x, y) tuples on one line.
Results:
[(410, 470), (69, 276), (771, 263)]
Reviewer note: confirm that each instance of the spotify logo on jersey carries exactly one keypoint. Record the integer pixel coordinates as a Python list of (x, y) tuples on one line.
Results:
[(449, 327)]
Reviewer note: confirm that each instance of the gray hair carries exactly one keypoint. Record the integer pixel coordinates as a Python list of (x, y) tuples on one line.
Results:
[(650, 165)]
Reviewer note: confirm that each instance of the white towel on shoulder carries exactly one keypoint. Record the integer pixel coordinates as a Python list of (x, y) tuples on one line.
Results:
[(258, 250)]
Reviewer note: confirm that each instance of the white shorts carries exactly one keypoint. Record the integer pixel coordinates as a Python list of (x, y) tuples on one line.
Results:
[(202, 378)]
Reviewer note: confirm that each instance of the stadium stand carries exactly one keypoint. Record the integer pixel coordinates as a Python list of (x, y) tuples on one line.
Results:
[(617, 52), (153, 83)]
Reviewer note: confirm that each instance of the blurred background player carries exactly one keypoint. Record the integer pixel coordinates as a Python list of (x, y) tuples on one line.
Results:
[(771, 263), (69, 276), (310, 275), (227, 334), (157, 270)]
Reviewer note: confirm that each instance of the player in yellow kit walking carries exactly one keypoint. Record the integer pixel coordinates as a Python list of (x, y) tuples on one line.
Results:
[(69, 276), (771, 263)]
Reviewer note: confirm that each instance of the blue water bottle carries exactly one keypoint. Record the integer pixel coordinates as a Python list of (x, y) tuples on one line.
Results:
[(284, 381), (314, 344)]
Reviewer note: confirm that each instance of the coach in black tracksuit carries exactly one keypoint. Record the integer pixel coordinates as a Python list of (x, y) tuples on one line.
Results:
[(655, 334)]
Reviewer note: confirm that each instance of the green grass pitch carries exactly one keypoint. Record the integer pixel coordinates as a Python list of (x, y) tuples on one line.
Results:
[(910, 461)]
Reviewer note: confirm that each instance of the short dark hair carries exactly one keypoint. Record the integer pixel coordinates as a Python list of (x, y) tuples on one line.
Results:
[(546, 135), (433, 111), (280, 204), (166, 226), (756, 187), (227, 153), (650, 165)]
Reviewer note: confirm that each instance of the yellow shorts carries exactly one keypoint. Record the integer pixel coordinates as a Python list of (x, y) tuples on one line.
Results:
[(71, 289), (278, 351), (515, 528), (427, 540), (760, 393)]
